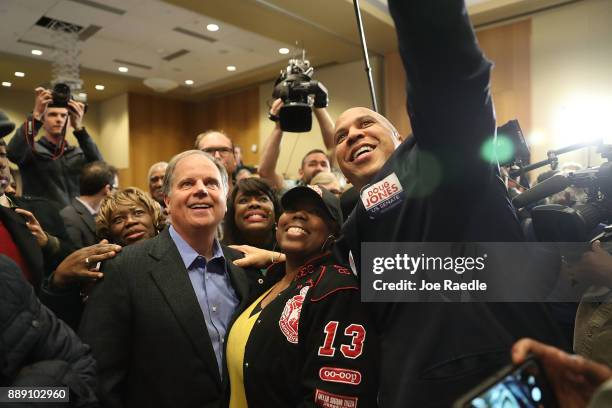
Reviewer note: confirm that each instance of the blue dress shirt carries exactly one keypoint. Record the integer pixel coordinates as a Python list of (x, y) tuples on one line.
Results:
[(213, 288)]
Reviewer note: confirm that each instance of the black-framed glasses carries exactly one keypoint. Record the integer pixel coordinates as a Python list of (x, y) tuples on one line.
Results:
[(223, 151)]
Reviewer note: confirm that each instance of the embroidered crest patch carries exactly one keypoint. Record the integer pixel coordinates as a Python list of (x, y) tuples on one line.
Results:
[(290, 318)]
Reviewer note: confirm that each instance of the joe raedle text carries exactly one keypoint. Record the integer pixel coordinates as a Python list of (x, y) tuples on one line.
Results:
[(425, 286)]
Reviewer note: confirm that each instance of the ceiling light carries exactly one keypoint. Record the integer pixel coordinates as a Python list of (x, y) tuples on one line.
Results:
[(82, 95), (160, 84), (188, 82), (99, 87), (19, 74), (231, 68), (212, 27), (283, 50), (123, 69), (37, 52), (6, 84)]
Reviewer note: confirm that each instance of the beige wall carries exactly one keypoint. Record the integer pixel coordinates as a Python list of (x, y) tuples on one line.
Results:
[(114, 141), (572, 77), (347, 85)]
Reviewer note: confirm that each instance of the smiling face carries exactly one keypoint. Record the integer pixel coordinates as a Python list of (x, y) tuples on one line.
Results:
[(302, 230), (312, 165), (130, 224), (253, 212), (196, 200), (364, 142)]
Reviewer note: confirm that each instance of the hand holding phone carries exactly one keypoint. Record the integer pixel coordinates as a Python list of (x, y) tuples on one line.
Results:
[(522, 386)]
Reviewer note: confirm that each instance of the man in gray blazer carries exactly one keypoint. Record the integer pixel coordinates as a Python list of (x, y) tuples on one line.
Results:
[(98, 180), (157, 323)]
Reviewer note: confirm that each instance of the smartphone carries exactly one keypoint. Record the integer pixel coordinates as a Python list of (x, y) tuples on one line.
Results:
[(522, 386)]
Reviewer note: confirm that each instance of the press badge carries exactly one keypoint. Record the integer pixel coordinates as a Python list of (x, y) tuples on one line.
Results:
[(382, 196)]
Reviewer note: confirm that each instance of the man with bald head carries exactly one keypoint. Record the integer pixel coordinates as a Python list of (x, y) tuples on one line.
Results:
[(438, 188), (221, 147)]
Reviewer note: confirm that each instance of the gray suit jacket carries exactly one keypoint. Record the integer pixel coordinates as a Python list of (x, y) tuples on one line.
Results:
[(147, 331), (80, 224)]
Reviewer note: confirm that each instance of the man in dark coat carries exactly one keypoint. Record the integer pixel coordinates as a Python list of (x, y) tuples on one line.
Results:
[(98, 180), (157, 322), (50, 168), (438, 189)]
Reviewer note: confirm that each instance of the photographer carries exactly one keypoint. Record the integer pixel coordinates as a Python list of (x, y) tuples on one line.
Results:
[(50, 167), (313, 162)]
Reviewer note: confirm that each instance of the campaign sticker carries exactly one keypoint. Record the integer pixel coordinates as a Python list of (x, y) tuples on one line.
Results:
[(383, 195)]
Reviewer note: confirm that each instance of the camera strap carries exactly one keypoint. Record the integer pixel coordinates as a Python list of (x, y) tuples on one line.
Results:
[(30, 133)]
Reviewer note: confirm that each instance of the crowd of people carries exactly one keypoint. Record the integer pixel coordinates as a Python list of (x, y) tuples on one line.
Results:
[(224, 286)]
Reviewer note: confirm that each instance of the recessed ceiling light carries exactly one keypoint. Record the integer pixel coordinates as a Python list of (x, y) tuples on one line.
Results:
[(212, 27), (230, 68), (123, 69), (37, 52), (6, 84), (188, 82), (82, 95), (99, 87), (19, 74), (283, 50)]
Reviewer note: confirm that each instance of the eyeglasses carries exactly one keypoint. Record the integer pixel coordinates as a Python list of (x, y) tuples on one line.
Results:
[(223, 151)]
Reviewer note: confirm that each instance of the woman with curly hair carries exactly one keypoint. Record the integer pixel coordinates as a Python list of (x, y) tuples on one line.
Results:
[(129, 216)]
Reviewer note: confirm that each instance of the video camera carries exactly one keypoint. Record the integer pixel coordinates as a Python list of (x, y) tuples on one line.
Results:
[(560, 223), (62, 94), (299, 93)]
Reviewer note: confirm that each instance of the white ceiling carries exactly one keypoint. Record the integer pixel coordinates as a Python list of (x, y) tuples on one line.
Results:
[(144, 34)]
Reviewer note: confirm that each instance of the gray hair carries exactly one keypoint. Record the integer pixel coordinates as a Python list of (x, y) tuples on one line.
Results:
[(155, 166), (176, 159)]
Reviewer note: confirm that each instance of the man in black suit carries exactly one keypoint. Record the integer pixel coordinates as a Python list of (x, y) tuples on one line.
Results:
[(98, 180), (157, 322)]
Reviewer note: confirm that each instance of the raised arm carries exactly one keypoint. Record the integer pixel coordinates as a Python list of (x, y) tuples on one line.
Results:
[(326, 124), (271, 151), (449, 103), (76, 111), (18, 149)]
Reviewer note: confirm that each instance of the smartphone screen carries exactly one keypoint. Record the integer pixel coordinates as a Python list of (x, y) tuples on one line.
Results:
[(524, 386)]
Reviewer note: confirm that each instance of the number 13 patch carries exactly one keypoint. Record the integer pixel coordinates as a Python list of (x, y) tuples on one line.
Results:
[(352, 350)]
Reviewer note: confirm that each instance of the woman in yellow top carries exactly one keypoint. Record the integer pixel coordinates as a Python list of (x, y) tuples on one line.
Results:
[(308, 340)]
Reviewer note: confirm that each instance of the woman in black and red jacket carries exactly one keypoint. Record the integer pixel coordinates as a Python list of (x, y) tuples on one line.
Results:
[(308, 340)]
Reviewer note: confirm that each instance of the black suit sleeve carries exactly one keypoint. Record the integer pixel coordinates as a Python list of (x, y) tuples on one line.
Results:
[(106, 326), (448, 78), (70, 218)]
